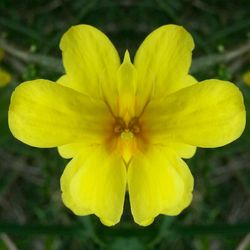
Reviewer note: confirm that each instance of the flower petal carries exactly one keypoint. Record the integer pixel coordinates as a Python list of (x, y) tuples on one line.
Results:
[(183, 150), (89, 57), (158, 183), (96, 184), (208, 114), (45, 114), (68, 173), (163, 60), (126, 81), (68, 151), (188, 180)]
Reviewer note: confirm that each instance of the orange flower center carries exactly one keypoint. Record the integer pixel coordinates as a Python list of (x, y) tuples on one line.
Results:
[(133, 127), (127, 138)]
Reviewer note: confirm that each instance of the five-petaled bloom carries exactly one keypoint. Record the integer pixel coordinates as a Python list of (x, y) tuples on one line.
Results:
[(127, 125)]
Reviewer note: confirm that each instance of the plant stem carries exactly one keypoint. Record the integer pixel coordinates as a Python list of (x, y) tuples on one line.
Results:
[(48, 62)]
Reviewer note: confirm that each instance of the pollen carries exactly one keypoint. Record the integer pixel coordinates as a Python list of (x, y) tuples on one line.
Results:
[(127, 135)]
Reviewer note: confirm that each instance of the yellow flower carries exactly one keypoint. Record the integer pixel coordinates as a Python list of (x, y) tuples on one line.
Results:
[(246, 78), (127, 126), (5, 78)]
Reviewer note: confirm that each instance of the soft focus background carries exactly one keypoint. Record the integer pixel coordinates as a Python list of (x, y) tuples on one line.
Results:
[(32, 215)]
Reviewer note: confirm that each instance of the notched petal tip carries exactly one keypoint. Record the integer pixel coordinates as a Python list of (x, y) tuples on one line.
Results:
[(75, 29), (145, 223), (108, 223), (95, 184), (184, 31), (176, 30), (163, 61), (90, 60), (150, 193)]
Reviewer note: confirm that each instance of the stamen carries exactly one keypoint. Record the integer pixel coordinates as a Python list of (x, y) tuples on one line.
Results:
[(134, 125), (119, 125), (136, 129), (126, 131), (118, 129)]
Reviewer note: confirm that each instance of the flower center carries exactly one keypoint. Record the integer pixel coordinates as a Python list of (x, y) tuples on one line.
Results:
[(126, 131), (127, 137)]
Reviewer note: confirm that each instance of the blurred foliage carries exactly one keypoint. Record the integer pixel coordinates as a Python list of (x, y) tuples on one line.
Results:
[(32, 215)]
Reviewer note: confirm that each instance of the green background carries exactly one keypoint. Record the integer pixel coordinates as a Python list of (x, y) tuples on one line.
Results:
[(32, 215)]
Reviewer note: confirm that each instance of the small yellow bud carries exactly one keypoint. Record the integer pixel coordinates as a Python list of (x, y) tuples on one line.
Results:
[(246, 78)]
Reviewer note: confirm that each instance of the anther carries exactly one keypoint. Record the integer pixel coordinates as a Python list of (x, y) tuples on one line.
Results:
[(134, 126), (118, 129), (119, 125), (135, 129)]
